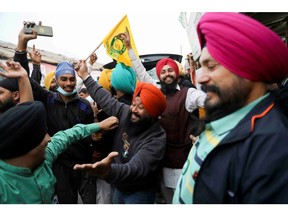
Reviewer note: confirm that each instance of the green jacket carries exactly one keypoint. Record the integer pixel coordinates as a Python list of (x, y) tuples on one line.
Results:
[(20, 185)]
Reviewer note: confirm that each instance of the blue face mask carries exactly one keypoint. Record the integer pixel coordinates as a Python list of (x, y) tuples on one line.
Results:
[(64, 93)]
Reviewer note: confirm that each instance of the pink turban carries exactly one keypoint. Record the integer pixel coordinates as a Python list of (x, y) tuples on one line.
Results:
[(244, 46), (152, 98), (166, 61)]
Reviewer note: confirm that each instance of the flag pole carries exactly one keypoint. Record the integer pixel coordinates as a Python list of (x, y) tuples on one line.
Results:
[(94, 50)]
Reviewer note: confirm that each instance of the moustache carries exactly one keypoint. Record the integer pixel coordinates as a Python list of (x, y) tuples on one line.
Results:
[(136, 114), (210, 88), (172, 77)]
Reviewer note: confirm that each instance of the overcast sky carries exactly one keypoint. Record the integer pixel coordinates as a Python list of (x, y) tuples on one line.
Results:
[(79, 27), (78, 34)]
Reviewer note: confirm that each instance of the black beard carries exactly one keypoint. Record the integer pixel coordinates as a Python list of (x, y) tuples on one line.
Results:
[(169, 88), (134, 128), (113, 91), (6, 106), (230, 100)]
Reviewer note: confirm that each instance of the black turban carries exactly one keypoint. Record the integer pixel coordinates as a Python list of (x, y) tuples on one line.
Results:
[(10, 84), (22, 127)]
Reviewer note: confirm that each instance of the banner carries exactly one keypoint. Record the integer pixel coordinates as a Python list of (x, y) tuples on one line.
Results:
[(183, 19), (115, 47), (192, 34)]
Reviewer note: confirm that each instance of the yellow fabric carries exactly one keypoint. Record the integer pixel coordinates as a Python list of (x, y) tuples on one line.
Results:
[(115, 47), (48, 79), (105, 78), (181, 69)]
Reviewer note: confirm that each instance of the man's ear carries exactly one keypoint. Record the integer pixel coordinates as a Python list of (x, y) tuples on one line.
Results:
[(16, 96)]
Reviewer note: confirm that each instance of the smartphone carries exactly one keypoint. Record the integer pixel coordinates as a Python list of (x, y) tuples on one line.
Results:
[(46, 31)]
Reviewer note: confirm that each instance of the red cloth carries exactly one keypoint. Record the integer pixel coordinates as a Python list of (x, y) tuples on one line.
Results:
[(244, 46), (152, 98), (166, 61)]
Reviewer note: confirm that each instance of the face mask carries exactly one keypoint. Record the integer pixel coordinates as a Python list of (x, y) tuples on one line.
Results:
[(64, 93)]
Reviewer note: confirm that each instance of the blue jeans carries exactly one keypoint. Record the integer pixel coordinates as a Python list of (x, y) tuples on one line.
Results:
[(139, 197)]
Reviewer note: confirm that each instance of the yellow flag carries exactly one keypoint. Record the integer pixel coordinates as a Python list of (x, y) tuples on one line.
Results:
[(115, 47)]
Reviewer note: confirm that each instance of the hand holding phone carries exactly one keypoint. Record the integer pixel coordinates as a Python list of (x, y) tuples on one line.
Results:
[(41, 30)]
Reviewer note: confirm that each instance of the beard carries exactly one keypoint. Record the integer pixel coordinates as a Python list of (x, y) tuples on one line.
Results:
[(169, 88), (113, 91), (134, 128), (7, 105), (229, 100)]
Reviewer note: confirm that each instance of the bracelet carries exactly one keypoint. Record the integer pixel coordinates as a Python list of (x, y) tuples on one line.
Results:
[(20, 51)]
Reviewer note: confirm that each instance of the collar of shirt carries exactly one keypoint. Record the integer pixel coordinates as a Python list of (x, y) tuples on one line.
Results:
[(5, 167), (224, 125)]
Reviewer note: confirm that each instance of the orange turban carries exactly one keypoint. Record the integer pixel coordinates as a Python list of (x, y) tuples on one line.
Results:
[(166, 61), (152, 98), (104, 79)]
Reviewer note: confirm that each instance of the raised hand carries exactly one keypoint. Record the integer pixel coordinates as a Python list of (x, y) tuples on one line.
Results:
[(24, 38), (16, 71), (35, 55), (126, 38), (13, 70), (81, 69)]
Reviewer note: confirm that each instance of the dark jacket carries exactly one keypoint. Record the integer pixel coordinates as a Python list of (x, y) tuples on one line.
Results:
[(250, 164), (140, 171), (104, 146), (61, 116)]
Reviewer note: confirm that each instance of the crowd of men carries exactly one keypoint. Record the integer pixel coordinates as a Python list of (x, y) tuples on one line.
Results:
[(126, 139)]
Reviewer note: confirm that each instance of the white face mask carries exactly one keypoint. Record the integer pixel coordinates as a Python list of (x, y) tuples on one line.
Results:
[(64, 93)]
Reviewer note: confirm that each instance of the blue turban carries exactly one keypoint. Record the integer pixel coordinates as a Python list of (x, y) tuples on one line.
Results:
[(64, 68), (123, 79)]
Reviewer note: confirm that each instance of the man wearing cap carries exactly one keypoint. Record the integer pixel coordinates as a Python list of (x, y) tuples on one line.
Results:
[(139, 142), (64, 110), (241, 155), (180, 119)]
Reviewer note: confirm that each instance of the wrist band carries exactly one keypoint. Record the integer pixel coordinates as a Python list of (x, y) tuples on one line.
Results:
[(20, 51)]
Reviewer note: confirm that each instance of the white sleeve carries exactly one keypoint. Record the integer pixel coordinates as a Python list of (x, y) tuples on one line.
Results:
[(140, 70), (195, 99), (79, 81)]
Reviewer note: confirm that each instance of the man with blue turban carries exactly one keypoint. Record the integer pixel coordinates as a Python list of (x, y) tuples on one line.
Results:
[(123, 81)]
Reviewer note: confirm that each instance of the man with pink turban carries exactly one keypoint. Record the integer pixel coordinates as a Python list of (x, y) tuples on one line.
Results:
[(240, 156), (139, 142), (180, 119)]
